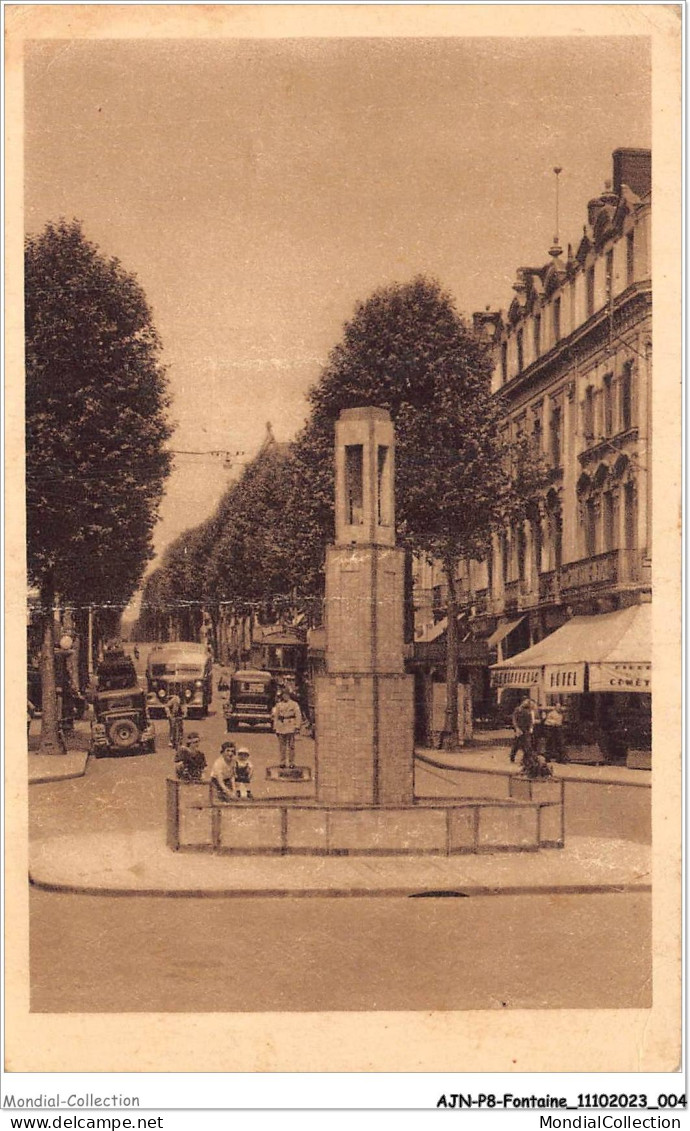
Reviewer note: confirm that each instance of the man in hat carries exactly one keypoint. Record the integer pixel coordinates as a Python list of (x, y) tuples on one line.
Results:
[(175, 712), (190, 761), (287, 720), (523, 724)]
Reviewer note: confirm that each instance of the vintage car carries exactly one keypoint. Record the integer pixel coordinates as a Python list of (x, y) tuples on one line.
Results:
[(120, 722), (183, 668), (252, 695)]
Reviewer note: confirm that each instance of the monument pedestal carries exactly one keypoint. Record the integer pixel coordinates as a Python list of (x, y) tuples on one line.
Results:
[(288, 773), (365, 745)]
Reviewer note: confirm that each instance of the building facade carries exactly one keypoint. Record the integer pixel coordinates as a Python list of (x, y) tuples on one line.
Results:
[(573, 362)]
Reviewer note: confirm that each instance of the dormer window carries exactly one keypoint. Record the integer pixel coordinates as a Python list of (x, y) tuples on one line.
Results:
[(590, 290), (520, 352), (630, 258), (556, 320), (609, 275), (537, 334)]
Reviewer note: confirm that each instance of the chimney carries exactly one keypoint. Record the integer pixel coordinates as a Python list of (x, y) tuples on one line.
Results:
[(632, 167)]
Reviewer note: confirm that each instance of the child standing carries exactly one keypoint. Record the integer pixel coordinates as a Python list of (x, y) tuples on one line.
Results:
[(244, 772)]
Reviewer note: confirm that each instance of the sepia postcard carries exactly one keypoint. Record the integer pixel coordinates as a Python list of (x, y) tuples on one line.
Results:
[(343, 511)]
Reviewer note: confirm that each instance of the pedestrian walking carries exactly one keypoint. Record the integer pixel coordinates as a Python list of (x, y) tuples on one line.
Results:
[(523, 724), (223, 773), (287, 720), (190, 761), (176, 712), (244, 773), (553, 729)]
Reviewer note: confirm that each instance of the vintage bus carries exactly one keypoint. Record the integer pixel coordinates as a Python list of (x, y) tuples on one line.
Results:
[(184, 668)]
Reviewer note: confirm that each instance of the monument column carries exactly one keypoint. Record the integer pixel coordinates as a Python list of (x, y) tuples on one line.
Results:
[(364, 704)]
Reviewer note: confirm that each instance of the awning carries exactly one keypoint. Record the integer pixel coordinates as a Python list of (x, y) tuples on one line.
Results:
[(613, 649), (502, 631), (432, 631)]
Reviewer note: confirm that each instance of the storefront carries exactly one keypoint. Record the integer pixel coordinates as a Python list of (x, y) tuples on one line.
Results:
[(600, 668)]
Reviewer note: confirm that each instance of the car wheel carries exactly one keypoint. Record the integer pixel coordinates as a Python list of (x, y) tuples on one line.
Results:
[(123, 734)]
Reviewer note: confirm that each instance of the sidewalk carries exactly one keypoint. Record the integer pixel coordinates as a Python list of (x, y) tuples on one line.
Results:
[(140, 863), (489, 752), (58, 767)]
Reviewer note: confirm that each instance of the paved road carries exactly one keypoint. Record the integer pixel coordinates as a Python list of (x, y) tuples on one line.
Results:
[(101, 954), (134, 953)]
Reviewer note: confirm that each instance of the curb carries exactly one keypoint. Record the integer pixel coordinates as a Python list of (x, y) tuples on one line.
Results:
[(506, 773), (462, 891), (41, 777)]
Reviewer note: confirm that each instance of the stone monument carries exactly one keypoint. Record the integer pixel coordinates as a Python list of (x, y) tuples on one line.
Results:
[(364, 704), (365, 803)]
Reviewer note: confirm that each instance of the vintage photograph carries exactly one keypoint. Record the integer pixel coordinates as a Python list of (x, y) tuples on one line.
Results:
[(338, 356)]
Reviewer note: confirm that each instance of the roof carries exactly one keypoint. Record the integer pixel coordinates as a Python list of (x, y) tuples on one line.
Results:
[(251, 674), (608, 638), (179, 646)]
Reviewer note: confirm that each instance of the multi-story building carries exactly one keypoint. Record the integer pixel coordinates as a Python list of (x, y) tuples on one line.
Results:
[(573, 357)]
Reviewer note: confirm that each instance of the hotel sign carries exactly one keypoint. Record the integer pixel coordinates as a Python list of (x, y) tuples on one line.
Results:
[(567, 678), (620, 677), (515, 677)]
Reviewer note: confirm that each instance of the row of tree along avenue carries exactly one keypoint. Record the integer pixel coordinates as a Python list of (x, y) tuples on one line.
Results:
[(457, 480), (96, 433)]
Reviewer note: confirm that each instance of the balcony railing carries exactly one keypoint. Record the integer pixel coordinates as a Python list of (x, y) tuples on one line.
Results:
[(613, 568), (482, 602), (512, 594), (529, 595), (549, 585)]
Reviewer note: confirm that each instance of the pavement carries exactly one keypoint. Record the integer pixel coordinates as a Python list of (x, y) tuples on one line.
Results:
[(494, 758), (58, 767), (140, 863)]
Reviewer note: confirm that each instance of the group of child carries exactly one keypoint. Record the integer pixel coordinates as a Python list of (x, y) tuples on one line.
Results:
[(231, 773)]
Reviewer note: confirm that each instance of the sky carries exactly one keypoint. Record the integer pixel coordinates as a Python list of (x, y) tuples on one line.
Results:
[(260, 188)]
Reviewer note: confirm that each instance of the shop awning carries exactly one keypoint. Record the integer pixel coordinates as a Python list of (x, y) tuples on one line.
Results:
[(612, 651), (432, 631), (502, 631)]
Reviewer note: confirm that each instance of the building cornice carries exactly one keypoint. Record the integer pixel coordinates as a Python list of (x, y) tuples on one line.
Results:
[(628, 308)]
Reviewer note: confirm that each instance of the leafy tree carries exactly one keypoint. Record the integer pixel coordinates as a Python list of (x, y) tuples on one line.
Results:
[(250, 561), (96, 427), (408, 350)]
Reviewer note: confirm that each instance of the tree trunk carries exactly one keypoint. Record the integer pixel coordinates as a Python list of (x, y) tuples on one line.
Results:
[(450, 740), (51, 740)]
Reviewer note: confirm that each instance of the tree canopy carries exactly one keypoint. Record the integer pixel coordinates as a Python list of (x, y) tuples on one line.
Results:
[(408, 350), (96, 426)]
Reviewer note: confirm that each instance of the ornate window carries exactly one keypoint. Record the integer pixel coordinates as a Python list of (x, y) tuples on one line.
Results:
[(608, 404), (556, 439), (556, 320), (626, 392), (588, 414)]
